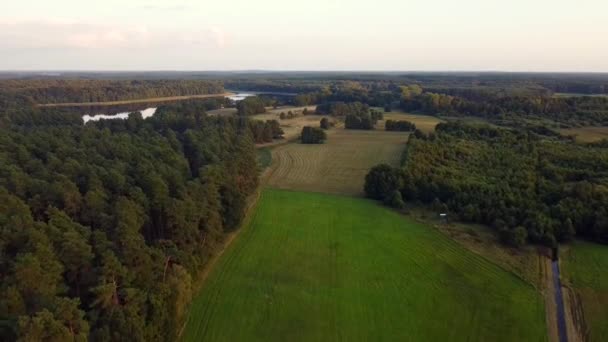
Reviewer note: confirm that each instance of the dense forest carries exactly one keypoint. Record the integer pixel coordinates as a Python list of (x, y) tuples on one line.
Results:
[(57, 91), (104, 227), (251, 106), (506, 106), (528, 186)]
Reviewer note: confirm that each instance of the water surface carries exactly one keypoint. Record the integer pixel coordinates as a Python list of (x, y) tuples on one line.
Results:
[(146, 113)]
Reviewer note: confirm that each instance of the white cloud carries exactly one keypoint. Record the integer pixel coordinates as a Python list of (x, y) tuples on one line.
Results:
[(176, 8), (62, 33)]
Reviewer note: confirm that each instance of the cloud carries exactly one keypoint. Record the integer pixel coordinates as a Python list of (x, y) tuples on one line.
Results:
[(218, 35), (68, 34), (176, 8)]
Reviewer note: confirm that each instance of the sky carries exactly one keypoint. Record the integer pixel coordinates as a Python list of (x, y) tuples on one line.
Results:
[(403, 35)]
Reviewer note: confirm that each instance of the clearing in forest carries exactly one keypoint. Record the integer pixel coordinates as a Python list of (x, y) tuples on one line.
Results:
[(292, 127), (425, 123), (339, 165), (584, 268), (317, 267)]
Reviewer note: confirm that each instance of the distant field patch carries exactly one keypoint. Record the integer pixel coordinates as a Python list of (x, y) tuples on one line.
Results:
[(316, 267), (222, 112), (338, 166), (578, 95), (425, 123), (291, 127), (585, 268), (587, 134)]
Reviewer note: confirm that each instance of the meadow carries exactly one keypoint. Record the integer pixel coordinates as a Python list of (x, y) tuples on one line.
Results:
[(318, 267), (339, 166), (584, 268)]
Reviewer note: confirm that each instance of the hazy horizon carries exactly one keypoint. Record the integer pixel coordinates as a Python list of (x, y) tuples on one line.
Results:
[(316, 35)]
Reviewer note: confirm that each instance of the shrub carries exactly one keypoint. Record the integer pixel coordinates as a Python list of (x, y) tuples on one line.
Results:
[(324, 123), (515, 237), (395, 200), (313, 135)]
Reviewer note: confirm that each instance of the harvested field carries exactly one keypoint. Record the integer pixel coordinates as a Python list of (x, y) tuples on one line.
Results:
[(339, 166)]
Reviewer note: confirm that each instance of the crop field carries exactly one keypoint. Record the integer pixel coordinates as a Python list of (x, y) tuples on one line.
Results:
[(318, 267), (587, 134), (584, 269), (339, 166)]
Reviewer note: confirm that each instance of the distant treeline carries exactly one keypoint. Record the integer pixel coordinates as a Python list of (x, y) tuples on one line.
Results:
[(275, 85), (356, 115), (58, 91), (497, 104), (105, 227), (516, 181)]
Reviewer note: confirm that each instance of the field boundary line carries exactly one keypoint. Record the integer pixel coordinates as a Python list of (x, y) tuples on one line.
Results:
[(201, 280), (462, 245), (123, 102)]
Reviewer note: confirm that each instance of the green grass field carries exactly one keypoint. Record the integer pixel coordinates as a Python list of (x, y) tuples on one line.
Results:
[(316, 267), (585, 267)]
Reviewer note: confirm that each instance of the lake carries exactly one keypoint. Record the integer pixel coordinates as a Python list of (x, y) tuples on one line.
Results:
[(146, 113), (103, 113)]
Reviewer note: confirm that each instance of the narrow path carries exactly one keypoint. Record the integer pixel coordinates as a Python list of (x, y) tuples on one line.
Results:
[(559, 300)]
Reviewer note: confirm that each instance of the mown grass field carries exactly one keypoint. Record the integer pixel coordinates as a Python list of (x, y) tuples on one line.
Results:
[(339, 166), (585, 269), (317, 267), (587, 134)]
